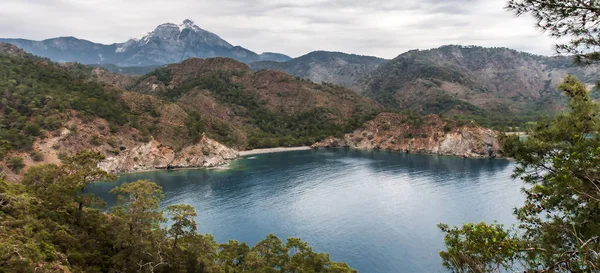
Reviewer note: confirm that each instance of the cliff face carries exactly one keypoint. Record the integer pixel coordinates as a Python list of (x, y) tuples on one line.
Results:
[(430, 134)]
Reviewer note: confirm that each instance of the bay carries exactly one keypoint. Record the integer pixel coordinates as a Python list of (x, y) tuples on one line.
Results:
[(375, 210)]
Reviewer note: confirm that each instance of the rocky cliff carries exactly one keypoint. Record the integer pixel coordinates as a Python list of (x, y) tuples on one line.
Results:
[(430, 134)]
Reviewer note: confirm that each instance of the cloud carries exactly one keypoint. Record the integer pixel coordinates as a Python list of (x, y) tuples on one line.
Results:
[(378, 27)]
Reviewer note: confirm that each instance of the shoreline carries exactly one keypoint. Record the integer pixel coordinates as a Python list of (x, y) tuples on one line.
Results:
[(273, 150), (242, 154), (226, 164)]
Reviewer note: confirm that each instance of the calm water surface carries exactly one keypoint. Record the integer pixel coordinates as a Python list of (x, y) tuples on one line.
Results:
[(377, 211)]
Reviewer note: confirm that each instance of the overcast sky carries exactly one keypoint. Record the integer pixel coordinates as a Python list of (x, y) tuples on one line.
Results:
[(381, 28)]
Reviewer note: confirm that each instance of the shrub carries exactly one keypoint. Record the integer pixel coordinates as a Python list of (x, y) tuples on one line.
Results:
[(37, 156), (16, 164), (33, 130), (112, 142), (95, 140)]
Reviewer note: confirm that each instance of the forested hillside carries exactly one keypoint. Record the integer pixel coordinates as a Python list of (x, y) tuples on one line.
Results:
[(326, 67), (36, 93), (494, 86), (168, 117), (267, 108)]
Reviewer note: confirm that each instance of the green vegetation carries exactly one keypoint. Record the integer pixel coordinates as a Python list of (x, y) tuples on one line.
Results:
[(36, 93), (133, 70), (48, 224), (573, 19), (15, 164), (162, 74), (37, 156), (265, 128), (560, 222)]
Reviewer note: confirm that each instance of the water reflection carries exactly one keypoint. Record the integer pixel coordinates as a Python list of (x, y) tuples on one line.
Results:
[(375, 210)]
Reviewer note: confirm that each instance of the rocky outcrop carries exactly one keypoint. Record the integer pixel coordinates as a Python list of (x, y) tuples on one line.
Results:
[(430, 134), (153, 155)]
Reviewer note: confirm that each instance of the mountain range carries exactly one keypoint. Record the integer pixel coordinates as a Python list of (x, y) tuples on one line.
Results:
[(182, 115), (490, 85), (493, 86), (168, 43), (326, 67), (471, 78)]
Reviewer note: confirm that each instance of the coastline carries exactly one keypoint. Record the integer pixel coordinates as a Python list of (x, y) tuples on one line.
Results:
[(273, 150), (227, 163)]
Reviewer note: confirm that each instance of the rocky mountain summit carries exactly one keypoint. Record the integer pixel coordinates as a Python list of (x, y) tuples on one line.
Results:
[(168, 43)]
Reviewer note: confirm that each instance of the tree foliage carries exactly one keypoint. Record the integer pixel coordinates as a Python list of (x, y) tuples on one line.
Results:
[(43, 228), (576, 20), (265, 127), (35, 95), (559, 228)]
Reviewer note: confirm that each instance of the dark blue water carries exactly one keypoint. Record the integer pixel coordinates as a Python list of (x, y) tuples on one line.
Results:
[(377, 211)]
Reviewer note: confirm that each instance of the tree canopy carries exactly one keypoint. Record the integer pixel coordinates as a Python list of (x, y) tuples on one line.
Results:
[(559, 224), (559, 162), (576, 20), (45, 228)]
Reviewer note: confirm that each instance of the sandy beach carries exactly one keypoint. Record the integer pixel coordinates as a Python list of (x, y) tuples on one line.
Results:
[(273, 150)]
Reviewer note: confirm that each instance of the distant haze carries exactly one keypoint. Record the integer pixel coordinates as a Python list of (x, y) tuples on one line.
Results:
[(379, 28)]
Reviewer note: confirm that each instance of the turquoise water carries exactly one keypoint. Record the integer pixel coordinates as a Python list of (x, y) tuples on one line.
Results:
[(377, 211)]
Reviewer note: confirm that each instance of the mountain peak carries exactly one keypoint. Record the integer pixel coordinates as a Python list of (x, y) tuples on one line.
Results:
[(166, 43), (188, 23)]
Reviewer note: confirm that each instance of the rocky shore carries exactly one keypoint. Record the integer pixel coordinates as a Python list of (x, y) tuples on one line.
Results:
[(429, 135), (151, 156), (273, 150), (126, 153)]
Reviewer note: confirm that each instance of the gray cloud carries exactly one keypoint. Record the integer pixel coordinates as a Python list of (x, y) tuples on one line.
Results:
[(377, 27)]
